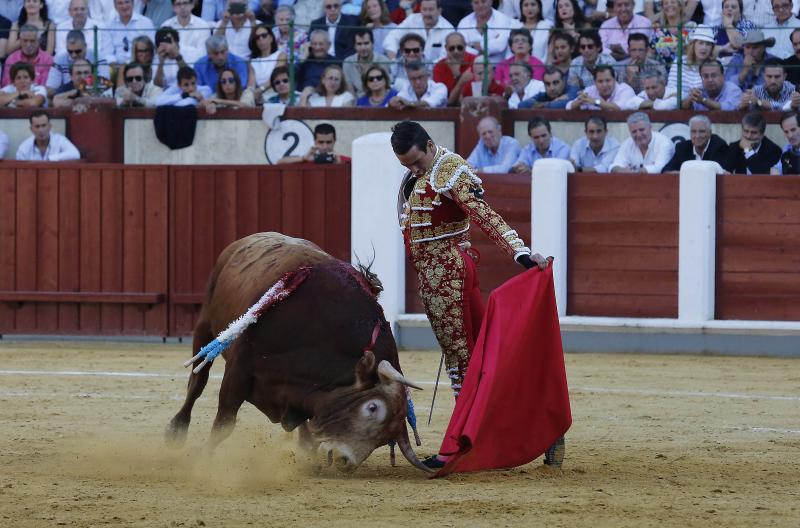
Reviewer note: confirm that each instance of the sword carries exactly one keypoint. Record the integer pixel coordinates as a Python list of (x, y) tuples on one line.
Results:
[(435, 387)]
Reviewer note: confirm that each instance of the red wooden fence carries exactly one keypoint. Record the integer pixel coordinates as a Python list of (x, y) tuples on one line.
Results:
[(758, 248)]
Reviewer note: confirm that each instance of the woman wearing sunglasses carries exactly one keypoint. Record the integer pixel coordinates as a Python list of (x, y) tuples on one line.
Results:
[(331, 91), (377, 92), (230, 93), (142, 52)]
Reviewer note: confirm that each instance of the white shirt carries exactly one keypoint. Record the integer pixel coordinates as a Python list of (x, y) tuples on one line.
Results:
[(332, 34), (122, 34), (263, 66), (36, 89), (340, 100), (434, 37), (659, 152), (500, 27), (238, 39), (149, 94), (189, 55), (3, 144), (540, 34), (192, 35), (781, 33), (103, 10), (173, 96), (103, 37), (435, 95), (582, 154), (668, 102), (59, 149), (533, 88), (58, 11)]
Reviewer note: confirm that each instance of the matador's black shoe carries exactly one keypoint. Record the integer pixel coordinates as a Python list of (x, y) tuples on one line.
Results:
[(434, 462), (554, 456)]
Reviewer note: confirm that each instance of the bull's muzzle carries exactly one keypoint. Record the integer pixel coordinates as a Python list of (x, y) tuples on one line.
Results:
[(338, 456)]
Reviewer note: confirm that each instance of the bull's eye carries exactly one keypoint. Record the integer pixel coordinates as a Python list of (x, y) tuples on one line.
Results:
[(374, 410)]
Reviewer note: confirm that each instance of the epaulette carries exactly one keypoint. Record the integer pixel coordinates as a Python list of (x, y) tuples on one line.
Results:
[(447, 169)]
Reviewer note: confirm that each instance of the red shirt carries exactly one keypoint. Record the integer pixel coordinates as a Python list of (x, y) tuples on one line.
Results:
[(398, 14), (443, 74)]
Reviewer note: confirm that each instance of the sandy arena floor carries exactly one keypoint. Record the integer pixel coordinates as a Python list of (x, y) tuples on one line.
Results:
[(656, 441)]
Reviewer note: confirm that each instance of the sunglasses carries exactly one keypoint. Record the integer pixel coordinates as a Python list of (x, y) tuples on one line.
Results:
[(134, 78), (260, 36), (227, 80), (280, 81), (333, 6), (74, 51), (587, 46), (412, 50), (375, 78), (457, 47)]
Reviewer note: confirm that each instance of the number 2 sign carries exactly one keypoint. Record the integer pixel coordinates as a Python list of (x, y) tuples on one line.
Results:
[(293, 138)]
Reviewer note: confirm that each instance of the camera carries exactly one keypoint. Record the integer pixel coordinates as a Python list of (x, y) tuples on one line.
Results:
[(237, 8), (324, 157)]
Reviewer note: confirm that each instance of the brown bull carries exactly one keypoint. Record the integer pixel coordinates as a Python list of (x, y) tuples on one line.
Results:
[(303, 363)]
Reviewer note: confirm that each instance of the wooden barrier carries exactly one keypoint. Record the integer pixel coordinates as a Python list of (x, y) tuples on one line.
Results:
[(758, 248)]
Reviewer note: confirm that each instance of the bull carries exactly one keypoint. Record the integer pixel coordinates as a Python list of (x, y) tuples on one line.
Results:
[(322, 360)]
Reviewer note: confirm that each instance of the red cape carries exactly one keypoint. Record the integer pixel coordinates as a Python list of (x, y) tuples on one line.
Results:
[(515, 402)]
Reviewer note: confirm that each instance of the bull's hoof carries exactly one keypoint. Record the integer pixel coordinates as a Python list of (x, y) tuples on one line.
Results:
[(175, 434), (554, 456)]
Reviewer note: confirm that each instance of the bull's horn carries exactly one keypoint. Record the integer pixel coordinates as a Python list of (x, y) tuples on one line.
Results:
[(389, 373), (405, 447)]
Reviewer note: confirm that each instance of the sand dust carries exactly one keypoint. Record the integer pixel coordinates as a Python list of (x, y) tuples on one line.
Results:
[(656, 441)]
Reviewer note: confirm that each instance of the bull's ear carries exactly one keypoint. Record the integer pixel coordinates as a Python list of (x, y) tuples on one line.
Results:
[(365, 370)]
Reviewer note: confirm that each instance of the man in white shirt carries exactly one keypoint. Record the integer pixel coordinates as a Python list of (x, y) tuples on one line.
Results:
[(645, 150), (420, 90), (428, 24), (499, 29), (193, 30), (655, 95), (522, 87), (186, 92), (170, 57), (781, 29), (596, 150), (45, 145), (76, 48), (79, 19), (606, 93), (235, 26), (126, 26)]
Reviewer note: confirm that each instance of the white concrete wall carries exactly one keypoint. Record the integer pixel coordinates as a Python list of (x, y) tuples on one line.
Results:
[(18, 130)]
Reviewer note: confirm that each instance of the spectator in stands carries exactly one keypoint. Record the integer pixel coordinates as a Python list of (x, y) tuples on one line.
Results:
[(420, 91), (666, 35), (499, 26), (125, 26), (230, 93), (781, 29), (645, 150), (265, 12), (310, 70), (377, 91), (451, 69), (535, 21), (29, 53), (596, 150), (158, 11), (583, 67), (3, 144), (236, 25), (745, 68), (494, 153), (187, 92), (614, 31), (606, 93), (170, 57), (22, 92), (473, 82), (279, 81), (375, 16), (655, 95), (562, 48), (701, 145), (143, 51), (356, 65), (412, 47), (283, 15), (193, 31), (543, 145), (790, 157), (716, 93), (34, 14), (520, 43), (631, 69), (78, 85), (264, 57), (712, 11), (75, 49), (557, 93), (5, 26), (734, 28), (699, 50), (569, 18), (332, 90), (137, 91), (339, 27), (323, 150), (754, 153), (522, 86), (218, 58), (10, 10), (45, 145), (776, 92), (428, 25), (793, 63), (79, 20)]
